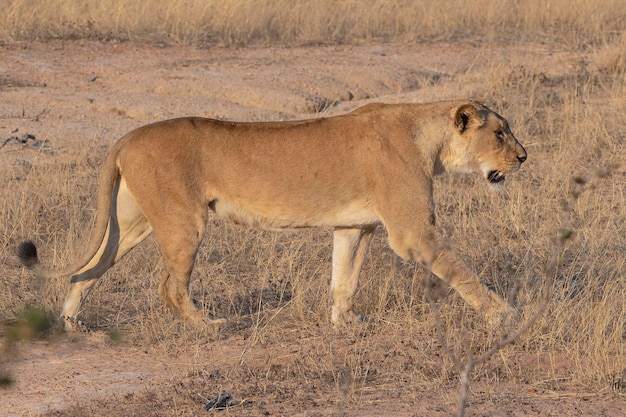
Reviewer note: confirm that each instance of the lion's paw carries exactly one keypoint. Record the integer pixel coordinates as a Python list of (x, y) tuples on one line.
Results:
[(341, 319), (72, 324), (501, 318)]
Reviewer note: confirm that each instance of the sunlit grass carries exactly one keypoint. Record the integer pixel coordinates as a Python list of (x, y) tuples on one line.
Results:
[(290, 22), (272, 286)]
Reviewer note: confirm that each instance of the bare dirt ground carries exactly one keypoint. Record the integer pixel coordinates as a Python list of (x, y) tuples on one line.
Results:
[(75, 97)]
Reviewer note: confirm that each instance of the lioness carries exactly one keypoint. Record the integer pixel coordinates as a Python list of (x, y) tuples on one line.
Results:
[(351, 173)]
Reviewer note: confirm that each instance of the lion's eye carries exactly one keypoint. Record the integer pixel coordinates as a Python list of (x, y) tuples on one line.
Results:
[(500, 135)]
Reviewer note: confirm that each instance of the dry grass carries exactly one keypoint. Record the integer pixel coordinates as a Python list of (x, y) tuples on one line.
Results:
[(273, 285), (288, 22)]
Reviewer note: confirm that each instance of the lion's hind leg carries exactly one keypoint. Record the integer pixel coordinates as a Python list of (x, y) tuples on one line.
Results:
[(179, 240), (127, 228), (174, 289)]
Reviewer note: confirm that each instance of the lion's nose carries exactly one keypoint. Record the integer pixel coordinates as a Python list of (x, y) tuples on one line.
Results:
[(521, 152)]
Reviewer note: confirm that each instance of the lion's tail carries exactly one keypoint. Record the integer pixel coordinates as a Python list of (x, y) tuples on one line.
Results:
[(27, 251)]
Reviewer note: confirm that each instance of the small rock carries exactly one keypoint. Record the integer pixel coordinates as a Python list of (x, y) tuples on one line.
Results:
[(221, 402), (26, 137)]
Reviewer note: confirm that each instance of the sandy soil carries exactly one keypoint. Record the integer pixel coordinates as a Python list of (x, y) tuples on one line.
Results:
[(83, 96)]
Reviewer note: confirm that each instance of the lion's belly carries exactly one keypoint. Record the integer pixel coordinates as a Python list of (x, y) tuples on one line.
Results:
[(293, 216)]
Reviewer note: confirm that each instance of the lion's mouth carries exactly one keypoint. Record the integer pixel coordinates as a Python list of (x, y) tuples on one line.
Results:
[(495, 177)]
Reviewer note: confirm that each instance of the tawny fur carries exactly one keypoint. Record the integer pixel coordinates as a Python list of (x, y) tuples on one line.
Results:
[(374, 166)]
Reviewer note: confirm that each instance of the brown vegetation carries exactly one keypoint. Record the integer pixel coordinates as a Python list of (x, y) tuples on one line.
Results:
[(558, 75), (291, 22)]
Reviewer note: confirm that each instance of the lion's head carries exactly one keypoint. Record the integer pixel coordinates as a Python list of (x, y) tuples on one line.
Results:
[(483, 142)]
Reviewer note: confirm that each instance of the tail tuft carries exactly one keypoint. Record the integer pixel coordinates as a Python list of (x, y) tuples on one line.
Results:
[(27, 252)]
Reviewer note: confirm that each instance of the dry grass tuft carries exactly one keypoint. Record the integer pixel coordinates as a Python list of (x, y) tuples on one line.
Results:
[(245, 22), (273, 287)]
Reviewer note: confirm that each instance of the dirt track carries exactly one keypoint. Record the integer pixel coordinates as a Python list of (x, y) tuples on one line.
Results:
[(79, 96)]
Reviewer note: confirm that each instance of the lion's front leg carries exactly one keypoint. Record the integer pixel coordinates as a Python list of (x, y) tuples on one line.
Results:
[(429, 249), (450, 268), (349, 247)]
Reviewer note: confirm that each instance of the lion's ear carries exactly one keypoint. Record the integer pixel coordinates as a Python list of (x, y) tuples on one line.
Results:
[(467, 116)]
